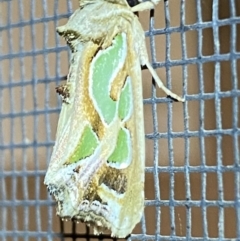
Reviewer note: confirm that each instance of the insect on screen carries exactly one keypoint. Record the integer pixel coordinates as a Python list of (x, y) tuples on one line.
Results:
[(192, 174)]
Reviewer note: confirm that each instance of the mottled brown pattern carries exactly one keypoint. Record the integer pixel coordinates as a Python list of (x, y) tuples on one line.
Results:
[(115, 179), (91, 194), (63, 91)]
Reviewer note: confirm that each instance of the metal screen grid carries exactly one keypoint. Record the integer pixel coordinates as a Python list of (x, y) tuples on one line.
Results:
[(10, 203), (233, 56)]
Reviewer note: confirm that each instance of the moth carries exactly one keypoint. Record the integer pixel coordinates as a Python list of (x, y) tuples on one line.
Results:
[(96, 171)]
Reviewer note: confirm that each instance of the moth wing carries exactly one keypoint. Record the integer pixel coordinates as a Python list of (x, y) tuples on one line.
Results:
[(96, 172)]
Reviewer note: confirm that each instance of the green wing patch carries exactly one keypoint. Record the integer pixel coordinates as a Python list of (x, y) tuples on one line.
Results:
[(86, 146), (122, 152), (105, 67)]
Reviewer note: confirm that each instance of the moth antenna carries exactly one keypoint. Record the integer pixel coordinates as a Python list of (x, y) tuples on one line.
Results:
[(161, 85)]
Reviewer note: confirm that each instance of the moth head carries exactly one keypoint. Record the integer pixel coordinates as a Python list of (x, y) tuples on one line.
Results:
[(70, 36)]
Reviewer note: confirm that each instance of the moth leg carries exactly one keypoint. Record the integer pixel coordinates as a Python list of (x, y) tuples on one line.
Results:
[(145, 5), (161, 85)]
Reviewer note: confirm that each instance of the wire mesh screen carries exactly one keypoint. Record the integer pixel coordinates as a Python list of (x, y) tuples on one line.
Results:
[(192, 183)]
